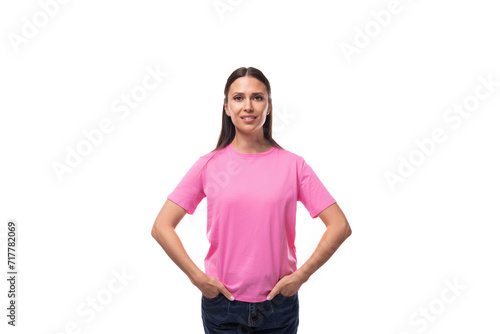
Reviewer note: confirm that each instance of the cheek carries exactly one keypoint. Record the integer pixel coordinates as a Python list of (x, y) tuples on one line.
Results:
[(265, 107), (232, 106)]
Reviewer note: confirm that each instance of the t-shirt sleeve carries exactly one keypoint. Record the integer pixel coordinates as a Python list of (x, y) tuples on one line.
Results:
[(189, 192), (311, 191)]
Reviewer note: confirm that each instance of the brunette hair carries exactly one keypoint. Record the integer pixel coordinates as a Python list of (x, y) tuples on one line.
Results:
[(228, 131)]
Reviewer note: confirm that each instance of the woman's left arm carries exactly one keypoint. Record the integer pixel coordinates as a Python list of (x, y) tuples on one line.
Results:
[(337, 231)]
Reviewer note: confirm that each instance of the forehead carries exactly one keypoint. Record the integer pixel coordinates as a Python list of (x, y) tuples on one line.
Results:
[(247, 84)]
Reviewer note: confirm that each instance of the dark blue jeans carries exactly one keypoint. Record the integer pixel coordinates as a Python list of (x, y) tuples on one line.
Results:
[(277, 316)]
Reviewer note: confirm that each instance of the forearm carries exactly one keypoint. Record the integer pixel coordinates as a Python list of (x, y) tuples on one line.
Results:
[(172, 245), (331, 240)]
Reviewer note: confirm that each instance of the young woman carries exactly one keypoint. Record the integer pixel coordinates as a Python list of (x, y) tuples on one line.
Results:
[(252, 185)]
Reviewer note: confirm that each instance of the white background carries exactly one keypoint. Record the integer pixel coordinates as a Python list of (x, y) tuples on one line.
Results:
[(350, 120)]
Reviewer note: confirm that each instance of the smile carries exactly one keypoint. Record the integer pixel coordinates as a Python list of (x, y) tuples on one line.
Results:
[(248, 119)]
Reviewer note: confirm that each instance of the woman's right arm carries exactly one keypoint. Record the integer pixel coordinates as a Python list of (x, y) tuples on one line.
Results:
[(163, 231)]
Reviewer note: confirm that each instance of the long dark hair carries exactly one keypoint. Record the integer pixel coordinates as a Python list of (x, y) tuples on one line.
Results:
[(228, 131)]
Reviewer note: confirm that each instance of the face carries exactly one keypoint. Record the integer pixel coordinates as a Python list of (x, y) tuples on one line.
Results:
[(247, 96)]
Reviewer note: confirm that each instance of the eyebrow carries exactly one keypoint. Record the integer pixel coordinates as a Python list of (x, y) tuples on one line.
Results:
[(252, 93)]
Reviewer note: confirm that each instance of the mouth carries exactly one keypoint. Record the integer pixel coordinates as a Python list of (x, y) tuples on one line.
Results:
[(248, 119)]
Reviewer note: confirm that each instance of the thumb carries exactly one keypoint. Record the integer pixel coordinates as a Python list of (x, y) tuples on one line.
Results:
[(273, 292), (226, 293)]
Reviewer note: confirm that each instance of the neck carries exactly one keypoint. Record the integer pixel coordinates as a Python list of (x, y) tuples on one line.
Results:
[(250, 143)]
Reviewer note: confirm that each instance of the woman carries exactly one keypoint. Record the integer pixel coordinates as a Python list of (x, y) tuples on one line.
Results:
[(252, 186)]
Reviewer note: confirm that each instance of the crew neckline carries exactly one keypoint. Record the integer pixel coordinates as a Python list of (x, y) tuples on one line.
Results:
[(231, 147)]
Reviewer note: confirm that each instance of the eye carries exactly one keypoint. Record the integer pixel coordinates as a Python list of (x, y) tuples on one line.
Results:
[(259, 98)]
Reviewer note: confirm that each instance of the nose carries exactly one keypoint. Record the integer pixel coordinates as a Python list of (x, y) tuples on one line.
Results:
[(248, 104)]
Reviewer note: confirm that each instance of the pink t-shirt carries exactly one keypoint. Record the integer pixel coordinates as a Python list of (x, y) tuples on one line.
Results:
[(251, 211)]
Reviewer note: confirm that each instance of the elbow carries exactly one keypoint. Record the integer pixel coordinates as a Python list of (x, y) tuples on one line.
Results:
[(347, 229), (159, 229), (153, 231)]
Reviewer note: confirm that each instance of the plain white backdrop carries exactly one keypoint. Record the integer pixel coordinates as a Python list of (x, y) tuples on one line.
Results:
[(355, 86)]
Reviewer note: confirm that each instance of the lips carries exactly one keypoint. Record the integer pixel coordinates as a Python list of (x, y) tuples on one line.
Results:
[(248, 119)]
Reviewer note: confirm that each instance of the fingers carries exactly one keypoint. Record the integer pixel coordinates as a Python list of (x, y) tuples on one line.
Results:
[(222, 288), (273, 293), (226, 293)]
